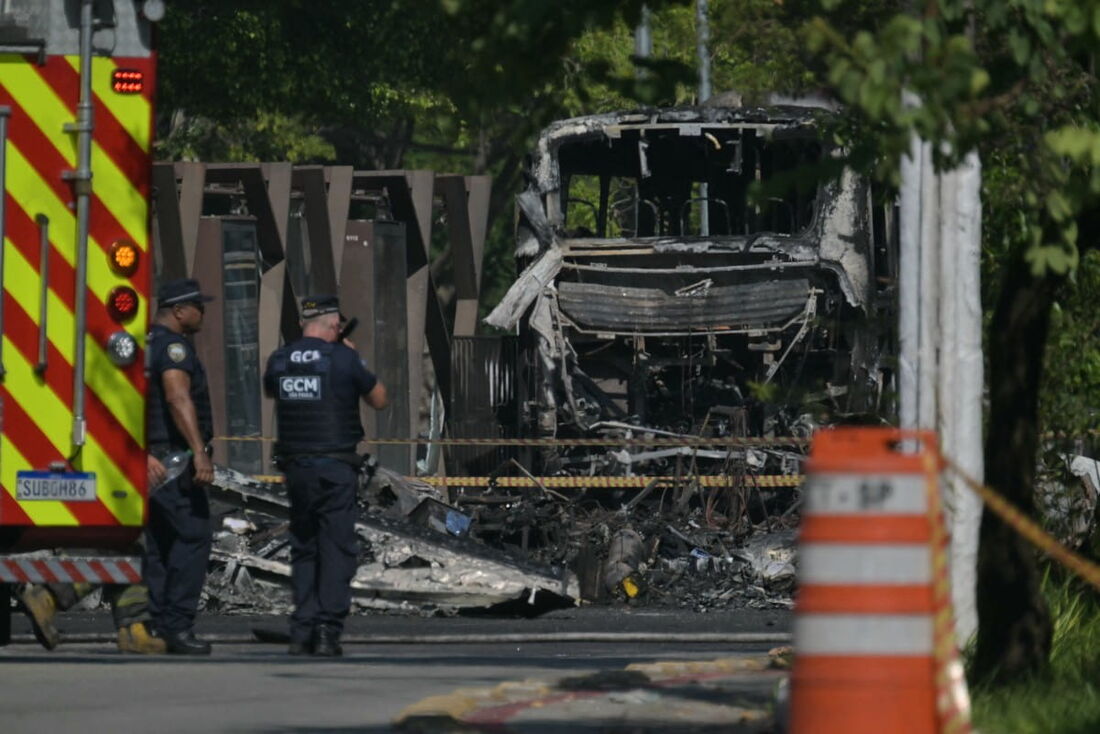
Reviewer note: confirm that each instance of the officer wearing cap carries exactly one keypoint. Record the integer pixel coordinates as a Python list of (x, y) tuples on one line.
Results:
[(178, 536), (317, 382)]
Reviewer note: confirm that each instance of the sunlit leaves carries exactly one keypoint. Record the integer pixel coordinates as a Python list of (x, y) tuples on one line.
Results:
[(1079, 144), (982, 71)]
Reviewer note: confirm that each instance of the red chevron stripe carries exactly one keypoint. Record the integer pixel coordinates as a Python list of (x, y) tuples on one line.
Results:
[(24, 433), (49, 163), (99, 570), (44, 569), (47, 160), (116, 442), (10, 511), (75, 574), (129, 572), (109, 132), (112, 435), (116, 141), (23, 232)]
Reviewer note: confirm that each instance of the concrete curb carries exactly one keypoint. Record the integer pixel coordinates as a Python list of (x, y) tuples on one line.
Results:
[(749, 638)]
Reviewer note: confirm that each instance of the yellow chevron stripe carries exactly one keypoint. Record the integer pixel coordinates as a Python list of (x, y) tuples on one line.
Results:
[(101, 375), (132, 111), (119, 196), (49, 113), (39, 402), (34, 196), (41, 104), (11, 461), (53, 418)]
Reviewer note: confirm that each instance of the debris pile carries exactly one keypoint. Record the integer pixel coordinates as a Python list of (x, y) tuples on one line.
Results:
[(690, 546), (404, 565), (427, 549)]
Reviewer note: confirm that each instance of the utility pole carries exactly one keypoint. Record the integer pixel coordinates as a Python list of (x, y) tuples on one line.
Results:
[(940, 337), (702, 41)]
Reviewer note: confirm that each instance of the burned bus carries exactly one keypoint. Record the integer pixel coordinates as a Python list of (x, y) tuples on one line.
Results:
[(695, 272)]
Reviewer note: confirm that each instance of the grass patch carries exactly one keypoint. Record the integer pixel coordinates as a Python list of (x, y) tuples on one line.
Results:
[(1066, 699)]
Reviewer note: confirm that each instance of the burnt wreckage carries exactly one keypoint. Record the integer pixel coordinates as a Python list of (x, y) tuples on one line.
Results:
[(687, 272)]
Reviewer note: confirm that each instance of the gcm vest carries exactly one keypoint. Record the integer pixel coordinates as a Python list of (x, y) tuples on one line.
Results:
[(312, 420)]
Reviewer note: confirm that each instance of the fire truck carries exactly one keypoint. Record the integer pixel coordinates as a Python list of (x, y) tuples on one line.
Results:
[(76, 123)]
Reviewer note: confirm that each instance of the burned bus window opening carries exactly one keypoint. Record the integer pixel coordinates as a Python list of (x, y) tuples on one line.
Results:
[(651, 184)]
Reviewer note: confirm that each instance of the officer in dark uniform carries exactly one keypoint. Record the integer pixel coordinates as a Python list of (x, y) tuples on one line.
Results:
[(178, 536), (317, 383)]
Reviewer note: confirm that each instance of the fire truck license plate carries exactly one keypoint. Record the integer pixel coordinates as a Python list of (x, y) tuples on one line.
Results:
[(63, 487)]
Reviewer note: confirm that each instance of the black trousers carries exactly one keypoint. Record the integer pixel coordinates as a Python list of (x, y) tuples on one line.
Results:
[(323, 546), (177, 552)]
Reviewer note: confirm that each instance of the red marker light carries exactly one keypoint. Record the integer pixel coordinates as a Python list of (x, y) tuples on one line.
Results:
[(122, 303), (127, 81)]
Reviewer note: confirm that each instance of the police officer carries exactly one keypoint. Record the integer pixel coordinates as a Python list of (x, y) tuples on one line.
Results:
[(178, 536), (317, 383)]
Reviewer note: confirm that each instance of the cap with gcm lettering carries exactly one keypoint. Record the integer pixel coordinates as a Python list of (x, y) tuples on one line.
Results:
[(318, 305)]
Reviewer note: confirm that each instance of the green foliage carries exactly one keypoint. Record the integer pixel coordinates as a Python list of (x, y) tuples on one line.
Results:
[(1067, 699), (338, 65), (1070, 403), (267, 137), (986, 75), (459, 85)]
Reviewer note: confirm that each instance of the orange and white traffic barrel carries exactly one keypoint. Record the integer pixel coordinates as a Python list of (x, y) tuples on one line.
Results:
[(869, 650)]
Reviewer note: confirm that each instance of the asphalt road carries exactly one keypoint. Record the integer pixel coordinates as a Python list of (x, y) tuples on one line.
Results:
[(251, 687)]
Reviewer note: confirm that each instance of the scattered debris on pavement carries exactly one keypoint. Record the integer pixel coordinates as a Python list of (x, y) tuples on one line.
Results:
[(427, 549)]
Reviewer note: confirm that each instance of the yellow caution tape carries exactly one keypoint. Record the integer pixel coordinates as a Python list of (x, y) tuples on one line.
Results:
[(709, 480), (656, 441), (952, 697)]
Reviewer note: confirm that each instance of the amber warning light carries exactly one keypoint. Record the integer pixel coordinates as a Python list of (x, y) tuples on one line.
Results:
[(127, 81), (124, 257)]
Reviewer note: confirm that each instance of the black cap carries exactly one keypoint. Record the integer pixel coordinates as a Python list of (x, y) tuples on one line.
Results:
[(319, 305), (184, 290)]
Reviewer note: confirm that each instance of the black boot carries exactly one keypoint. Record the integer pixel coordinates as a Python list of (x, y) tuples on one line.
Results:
[(185, 643), (300, 648), (326, 643)]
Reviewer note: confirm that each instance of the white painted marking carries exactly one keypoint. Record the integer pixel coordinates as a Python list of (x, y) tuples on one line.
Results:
[(86, 571)]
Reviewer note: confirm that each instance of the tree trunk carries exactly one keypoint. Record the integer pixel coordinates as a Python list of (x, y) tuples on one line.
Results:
[(1014, 626)]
